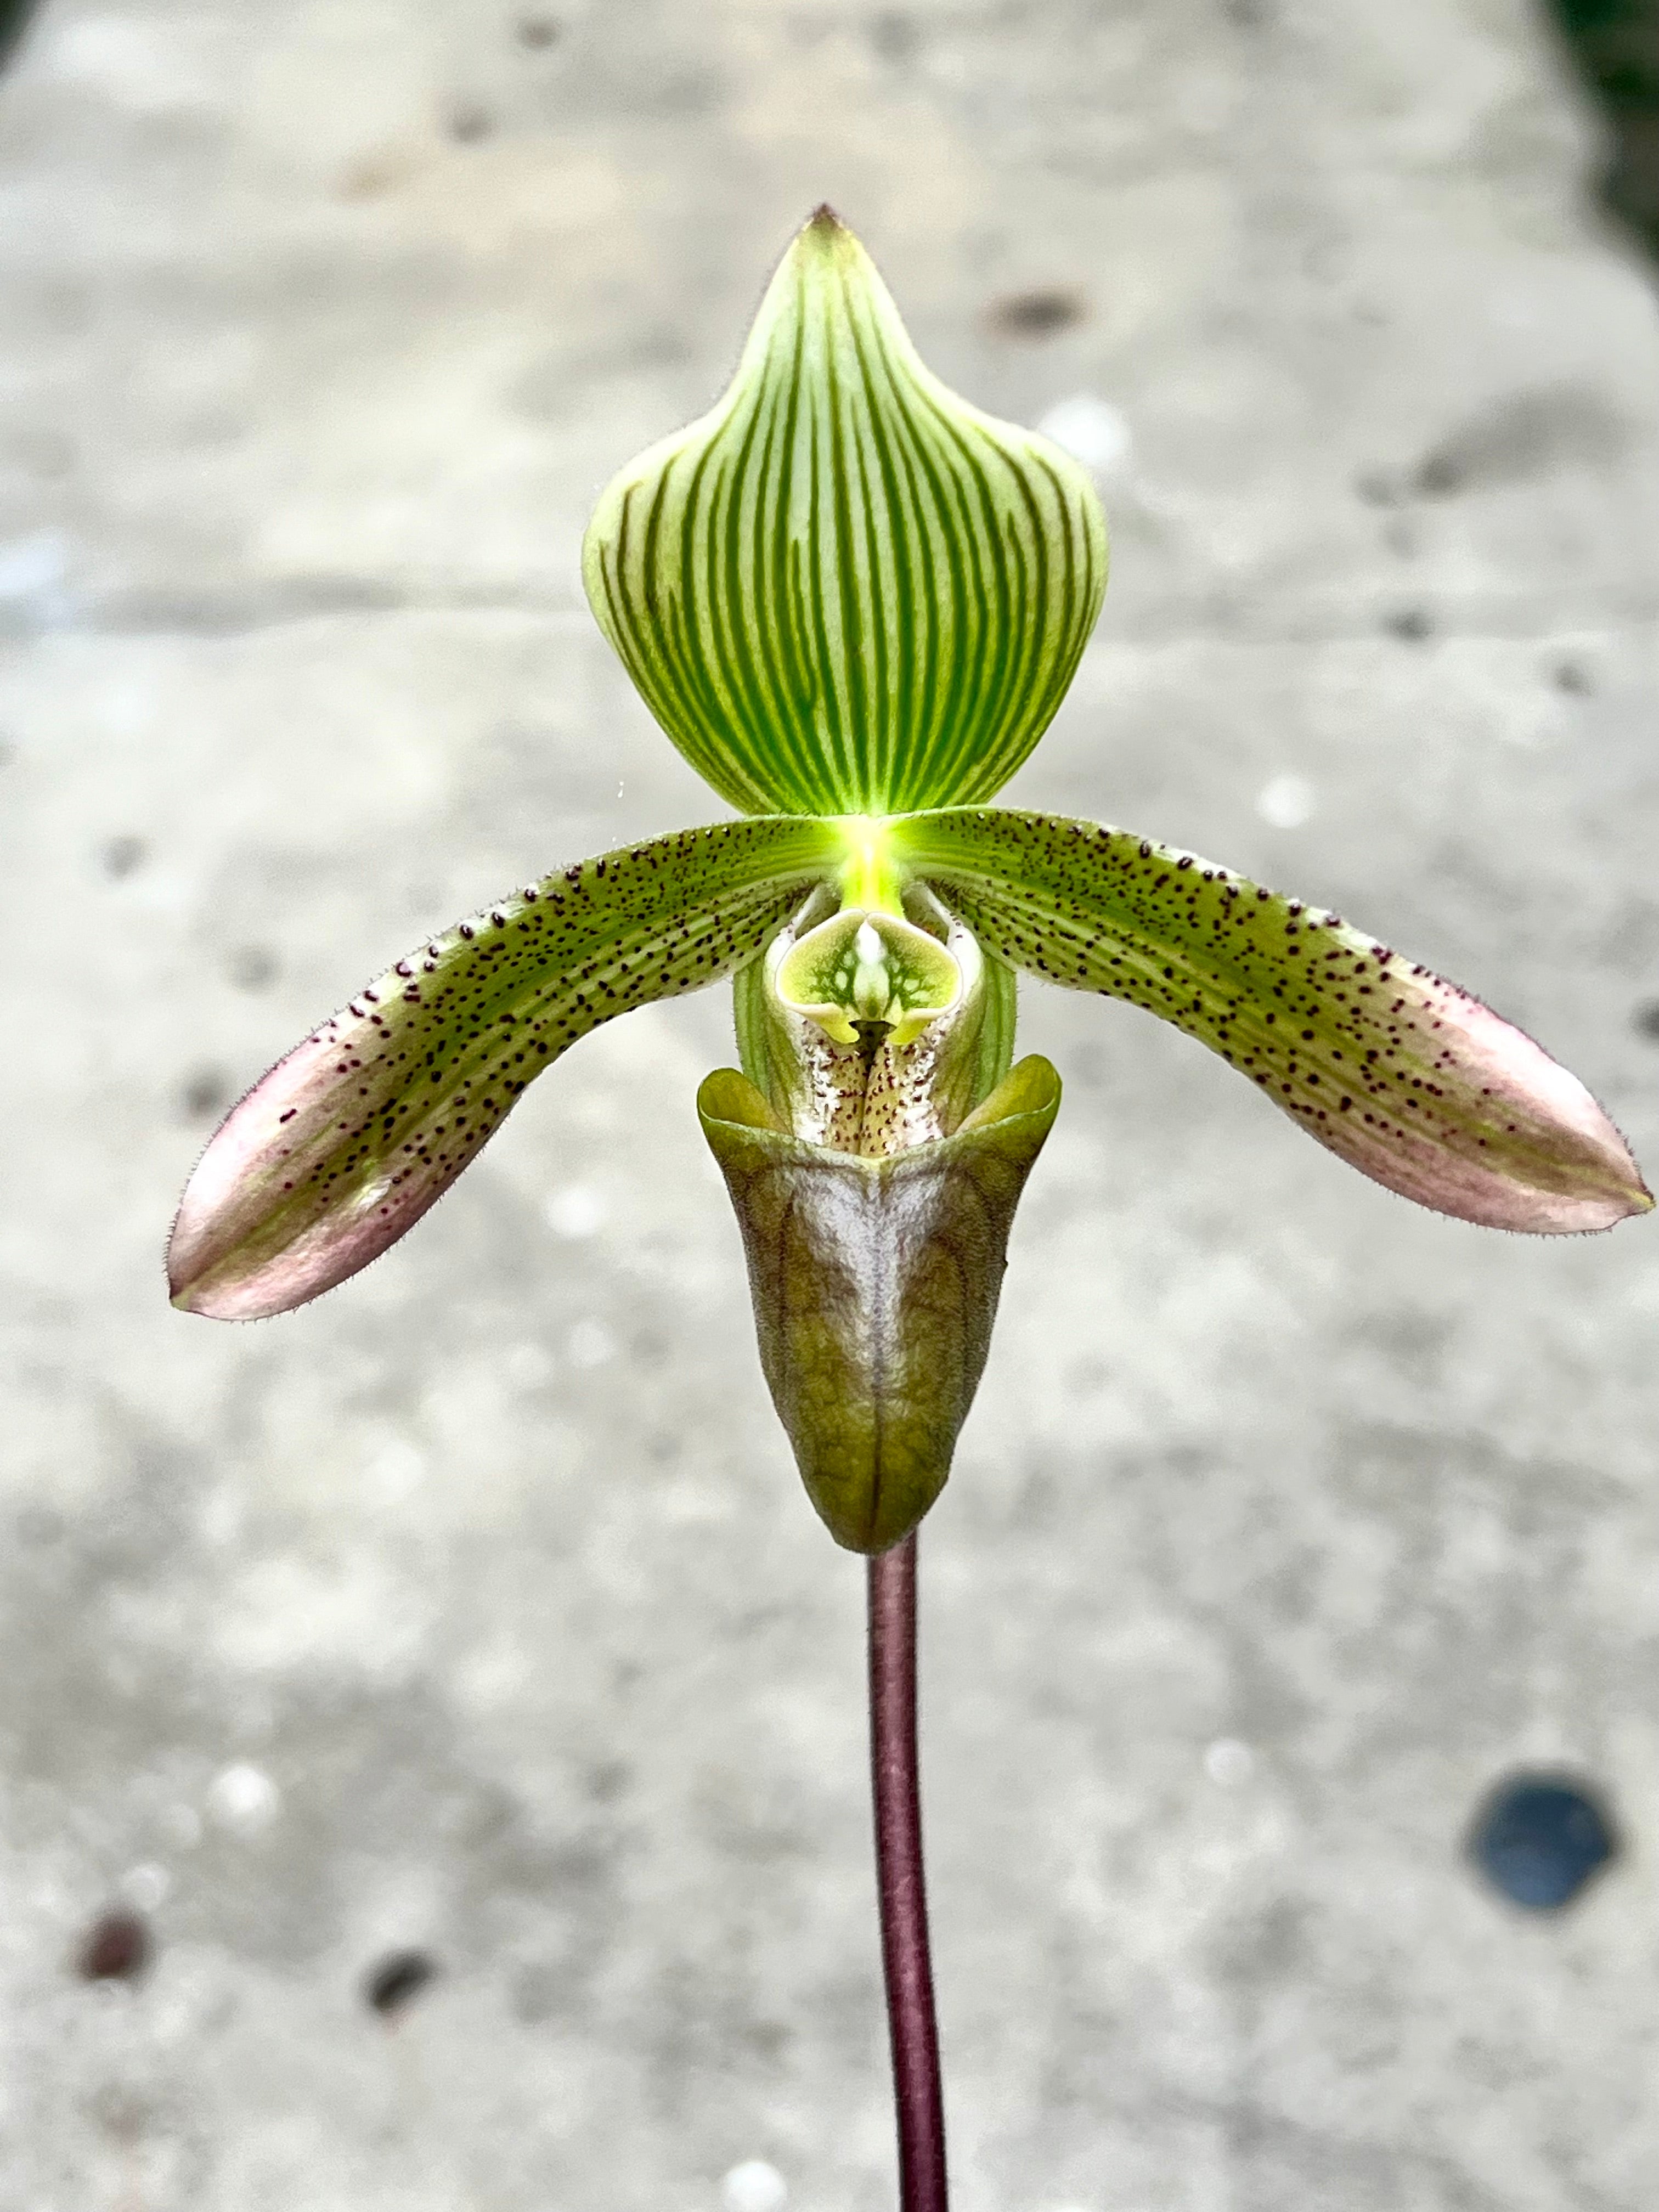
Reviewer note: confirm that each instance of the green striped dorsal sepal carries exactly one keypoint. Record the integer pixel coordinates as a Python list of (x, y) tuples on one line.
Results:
[(346, 1142), (844, 590), (861, 973), (875, 1283), (1406, 1077)]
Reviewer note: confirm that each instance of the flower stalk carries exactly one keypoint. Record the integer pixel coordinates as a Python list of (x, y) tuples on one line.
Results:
[(900, 1878)]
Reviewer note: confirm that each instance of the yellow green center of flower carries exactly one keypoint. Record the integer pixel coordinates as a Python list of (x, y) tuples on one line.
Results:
[(870, 876), (867, 977)]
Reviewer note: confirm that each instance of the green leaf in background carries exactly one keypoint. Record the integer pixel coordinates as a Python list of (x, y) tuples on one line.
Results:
[(846, 591), (875, 1285)]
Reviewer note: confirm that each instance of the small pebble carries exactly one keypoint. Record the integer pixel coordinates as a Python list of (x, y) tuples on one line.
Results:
[(203, 1095), (1040, 314), (1411, 625), (397, 1978), (251, 967), (1540, 1838), (893, 35), (1377, 487), (116, 1948), (122, 855)]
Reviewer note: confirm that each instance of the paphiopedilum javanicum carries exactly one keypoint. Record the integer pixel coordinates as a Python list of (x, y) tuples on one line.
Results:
[(854, 603)]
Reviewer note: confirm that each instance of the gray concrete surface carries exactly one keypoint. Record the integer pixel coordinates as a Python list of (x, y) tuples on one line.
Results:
[(478, 1607)]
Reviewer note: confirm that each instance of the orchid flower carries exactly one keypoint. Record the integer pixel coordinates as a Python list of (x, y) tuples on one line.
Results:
[(854, 603)]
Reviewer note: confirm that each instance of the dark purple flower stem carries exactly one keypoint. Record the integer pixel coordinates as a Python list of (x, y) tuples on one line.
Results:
[(918, 2090)]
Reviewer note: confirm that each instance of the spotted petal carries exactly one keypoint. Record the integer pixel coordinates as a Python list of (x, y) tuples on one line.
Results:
[(1408, 1078), (346, 1142), (845, 590)]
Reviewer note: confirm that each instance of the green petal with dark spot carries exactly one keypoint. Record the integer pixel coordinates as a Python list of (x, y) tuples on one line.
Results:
[(875, 1285), (346, 1143), (1405, 1076), (846, 591)]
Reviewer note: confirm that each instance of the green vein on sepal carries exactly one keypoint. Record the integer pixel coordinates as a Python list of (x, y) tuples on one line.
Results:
[(845, 590)]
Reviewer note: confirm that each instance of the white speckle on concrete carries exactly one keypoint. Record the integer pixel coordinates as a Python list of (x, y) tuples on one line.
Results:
[(589, 1345), (576, 1212), (1527, 722), (1285, 801), (1092, 431), (182, 1826), (219, 1517), (397, 1470), (1229, 1763), (694, 1504), (244, 1800), (754, 2186), (528, 1366), (34, 564), (145, 1887), (101, 48)]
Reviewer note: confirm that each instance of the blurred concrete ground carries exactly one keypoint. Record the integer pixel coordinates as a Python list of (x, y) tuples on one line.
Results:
[(477, 1609)]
